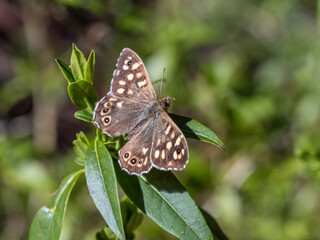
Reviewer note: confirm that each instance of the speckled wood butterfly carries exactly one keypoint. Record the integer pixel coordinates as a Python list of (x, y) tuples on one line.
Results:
[(132, 107)]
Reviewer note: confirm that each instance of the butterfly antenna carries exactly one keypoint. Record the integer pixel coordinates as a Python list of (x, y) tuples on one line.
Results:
[(164, 69)]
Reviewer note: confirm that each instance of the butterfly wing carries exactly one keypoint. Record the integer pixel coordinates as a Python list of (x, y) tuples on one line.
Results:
[(131, 79), (170, 148), (115, 116), (157, 142), (129, 98), (134, 157)]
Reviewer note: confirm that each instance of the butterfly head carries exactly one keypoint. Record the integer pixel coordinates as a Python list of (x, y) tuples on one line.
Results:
[(165, 102)]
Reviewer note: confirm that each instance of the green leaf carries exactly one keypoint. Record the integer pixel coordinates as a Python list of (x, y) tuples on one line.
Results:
[(102, 186), (83, 138), (133, 223), (89, 72), (161, 197), (106, 234), (83, 95), (48, 221), (66, 71), (131, 217), (214, 227), (78, 63), (102, 137), (80, 146), (127, 209), (193, 129), (80, 161), (83, 115)]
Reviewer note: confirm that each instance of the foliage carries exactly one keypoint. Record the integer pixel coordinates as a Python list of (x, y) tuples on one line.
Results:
[(178, 214), (48, 221), (248, 70)]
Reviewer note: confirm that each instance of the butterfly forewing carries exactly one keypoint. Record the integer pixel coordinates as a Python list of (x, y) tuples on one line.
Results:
[(115, 116), (129, 98), (130, 78)]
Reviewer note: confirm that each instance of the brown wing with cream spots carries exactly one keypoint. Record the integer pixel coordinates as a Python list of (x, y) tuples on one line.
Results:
[(115, 116), (129, 98), (131, 79), (170, 148), (134, 157)]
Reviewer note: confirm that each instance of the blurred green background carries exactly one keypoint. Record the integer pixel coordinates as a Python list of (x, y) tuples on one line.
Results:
[(249, 70)]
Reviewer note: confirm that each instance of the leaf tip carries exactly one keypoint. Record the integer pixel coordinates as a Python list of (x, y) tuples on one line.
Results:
[(223, 147)]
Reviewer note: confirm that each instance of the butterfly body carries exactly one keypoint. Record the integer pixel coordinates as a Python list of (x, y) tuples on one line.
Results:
[(154, 109), (132, 107)]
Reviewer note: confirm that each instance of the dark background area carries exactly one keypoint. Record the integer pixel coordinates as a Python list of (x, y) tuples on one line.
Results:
[(249, 70)]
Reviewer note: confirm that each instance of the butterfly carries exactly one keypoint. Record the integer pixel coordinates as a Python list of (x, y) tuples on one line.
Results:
[(132, 107)]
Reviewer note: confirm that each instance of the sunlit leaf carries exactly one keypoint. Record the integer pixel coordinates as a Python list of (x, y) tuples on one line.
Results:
[(83, 95), (102, 185), (82, 137), (48, 221), (89, 72), (80, 161), (80, 146), (102, 137), (77, 63), (66, 71), (191, 128), (161, 197), (83, 115)]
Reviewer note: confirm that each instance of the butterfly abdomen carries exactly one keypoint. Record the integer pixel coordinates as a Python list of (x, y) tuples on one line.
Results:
[(154, 110)]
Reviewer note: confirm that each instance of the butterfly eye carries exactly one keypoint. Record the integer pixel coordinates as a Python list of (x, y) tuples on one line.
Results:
[(108, 104), (133, 161), (107, 120), (126, 155), (105, 110), (129, 63), (178, 150)]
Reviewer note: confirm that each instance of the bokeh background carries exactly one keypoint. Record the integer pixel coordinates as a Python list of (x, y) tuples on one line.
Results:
[(249, 70)]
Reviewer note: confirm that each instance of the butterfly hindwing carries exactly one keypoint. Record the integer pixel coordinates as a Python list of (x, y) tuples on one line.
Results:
[(134, 157), (157, 142), (170, 148)]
